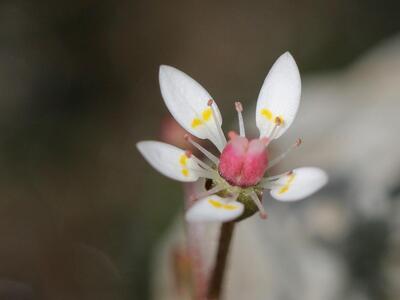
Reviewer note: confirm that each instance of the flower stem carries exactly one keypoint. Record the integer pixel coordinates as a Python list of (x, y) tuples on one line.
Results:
[(217, 276)]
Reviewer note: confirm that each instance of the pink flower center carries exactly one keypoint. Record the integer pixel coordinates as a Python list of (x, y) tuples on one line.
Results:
[(243, 162)]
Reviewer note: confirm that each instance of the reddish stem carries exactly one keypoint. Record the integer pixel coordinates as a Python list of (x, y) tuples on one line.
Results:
[(217, 277)]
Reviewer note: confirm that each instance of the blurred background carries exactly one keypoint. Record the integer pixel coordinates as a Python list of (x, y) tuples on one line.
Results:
[(81, 212)]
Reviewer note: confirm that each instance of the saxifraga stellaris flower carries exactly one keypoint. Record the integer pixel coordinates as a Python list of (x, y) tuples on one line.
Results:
[(236, 178)]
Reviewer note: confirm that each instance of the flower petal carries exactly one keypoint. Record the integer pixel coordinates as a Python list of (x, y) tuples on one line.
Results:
[(279, 96), (169, 160), (187, 101), (299, 184), (214, 208)]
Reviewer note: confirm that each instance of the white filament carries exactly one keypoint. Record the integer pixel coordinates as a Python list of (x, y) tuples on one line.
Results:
[(239, 109), (259, 205), (208, 154), (221, 136), (279, 158)]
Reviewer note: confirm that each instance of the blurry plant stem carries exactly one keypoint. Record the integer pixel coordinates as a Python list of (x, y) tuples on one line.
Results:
[(217, 276)]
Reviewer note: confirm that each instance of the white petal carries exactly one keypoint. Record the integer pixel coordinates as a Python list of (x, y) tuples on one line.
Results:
[(169, 160), (279, 96), (214, 208), (187, 101), (300, 184)]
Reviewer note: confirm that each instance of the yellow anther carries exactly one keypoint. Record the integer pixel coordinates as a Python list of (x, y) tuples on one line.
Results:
[(278, 120), (285, 188), (218, 204), (183, 159), (185, 172)]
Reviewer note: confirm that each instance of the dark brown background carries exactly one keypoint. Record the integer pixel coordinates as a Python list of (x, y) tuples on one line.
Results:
[(80, 211)]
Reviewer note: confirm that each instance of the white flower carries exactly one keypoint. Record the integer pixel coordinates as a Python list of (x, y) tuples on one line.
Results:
[(237, 174)]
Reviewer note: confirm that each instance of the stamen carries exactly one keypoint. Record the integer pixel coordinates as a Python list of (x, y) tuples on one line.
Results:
[(233, 196), (239, 109), (232, 134), (277, 124), (268, 185), (203, 164), (270, 182), (278, 121), (283, 155), (211, 156), (259, 205), (221, 135), (276, 177), (203, 173), (199, 171), (211, 191), (188, 153)]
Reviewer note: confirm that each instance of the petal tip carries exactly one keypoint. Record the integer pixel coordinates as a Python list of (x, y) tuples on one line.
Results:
[(139, 145), (325, 178), (287, 56), (142, 146), (286, 62), (164, 69)]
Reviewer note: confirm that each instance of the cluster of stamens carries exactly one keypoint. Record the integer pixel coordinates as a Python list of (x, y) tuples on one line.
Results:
[(242, 165)]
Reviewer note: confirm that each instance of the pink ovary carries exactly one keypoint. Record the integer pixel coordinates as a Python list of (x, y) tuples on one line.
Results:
[(243, 162)]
